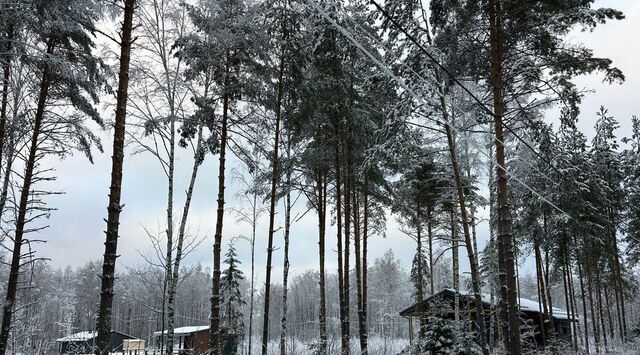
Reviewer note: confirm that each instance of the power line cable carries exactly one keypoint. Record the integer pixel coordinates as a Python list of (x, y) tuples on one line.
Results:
[(444, 69), (360, 47)]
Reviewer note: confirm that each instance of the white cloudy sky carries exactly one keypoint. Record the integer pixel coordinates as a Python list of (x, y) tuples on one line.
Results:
[(76, 236)]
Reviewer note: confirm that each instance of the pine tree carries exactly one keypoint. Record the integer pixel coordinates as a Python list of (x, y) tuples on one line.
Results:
[(103, 320), (70, 75), (232, 301), (224, 47), (632, 192)]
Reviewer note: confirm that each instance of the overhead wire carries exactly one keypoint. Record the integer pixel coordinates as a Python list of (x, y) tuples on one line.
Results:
[(455, 80), (453, 105), (403, 84)]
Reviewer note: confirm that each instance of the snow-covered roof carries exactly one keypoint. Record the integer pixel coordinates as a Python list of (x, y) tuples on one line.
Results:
[(526, 304), (185, 330), (82, 336)]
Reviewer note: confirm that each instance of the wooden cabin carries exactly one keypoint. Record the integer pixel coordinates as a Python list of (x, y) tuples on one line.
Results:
[(84, 342), (442, 305), (194, 340)]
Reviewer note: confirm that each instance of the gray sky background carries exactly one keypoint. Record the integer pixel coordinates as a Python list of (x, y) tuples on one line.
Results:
[(76, 233)]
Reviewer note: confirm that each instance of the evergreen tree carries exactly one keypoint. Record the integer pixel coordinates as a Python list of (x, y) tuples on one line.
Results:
[(632, 192), (232, 300)]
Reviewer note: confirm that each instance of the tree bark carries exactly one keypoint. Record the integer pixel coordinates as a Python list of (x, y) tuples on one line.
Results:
[(103, 322), (285, 269), (169, 231), (23, 206), (584, 309), (214, 331), (365, 235), (348, 186), (356, 245), (341, 273), (471, 251), (173, 280), (272, 204), (507, 279), (322, 206)]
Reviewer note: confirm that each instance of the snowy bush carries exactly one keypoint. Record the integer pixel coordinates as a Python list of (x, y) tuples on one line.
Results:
[(444, 336)]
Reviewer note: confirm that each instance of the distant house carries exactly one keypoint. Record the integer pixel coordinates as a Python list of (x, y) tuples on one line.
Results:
[(192, 340), (442, 305), (84, 342)]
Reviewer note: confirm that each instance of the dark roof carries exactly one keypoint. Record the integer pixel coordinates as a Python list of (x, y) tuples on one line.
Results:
[(429, 301), (526, 305)]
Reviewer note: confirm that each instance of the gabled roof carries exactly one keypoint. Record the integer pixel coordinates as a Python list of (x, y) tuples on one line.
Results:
[(88, 335), (186, 330), (82, 336), (526, 305)]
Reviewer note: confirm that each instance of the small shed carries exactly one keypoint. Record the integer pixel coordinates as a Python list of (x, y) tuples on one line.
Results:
[(442, 304), (84, 342), (192, 340)]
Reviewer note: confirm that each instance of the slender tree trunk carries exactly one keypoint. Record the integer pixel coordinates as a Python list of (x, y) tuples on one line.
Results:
[(600, 310), (285, 270), (572, 298), (508, 279), (567, 297), (455, 271), (322, 205), (544, 312), (471, 251), (173, 280), (103, 322), (419, 286), (23, 206), (594, 321), (214, 330), (253, 267), (272, 204), (341, 273), (430, 236), (348, 186), (169, 252), (358, 261), (584, 309), (365, 235)]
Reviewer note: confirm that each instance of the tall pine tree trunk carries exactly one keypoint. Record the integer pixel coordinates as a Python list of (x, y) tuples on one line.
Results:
[(455, 259), (542, 295), (169, 252), (103, 322), (321, 188), (508, 278), (431, 263), (285, 269), (594, 321), (272, 205), (23, 206), (214, 330), (348, 186), (584, 308), (341, 273), (365, 235), (357, 253), (471, 252)]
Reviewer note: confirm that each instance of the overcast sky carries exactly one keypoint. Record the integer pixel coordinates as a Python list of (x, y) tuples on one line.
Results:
[(76, 233)]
